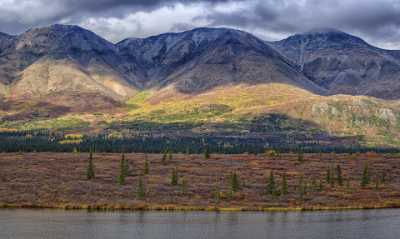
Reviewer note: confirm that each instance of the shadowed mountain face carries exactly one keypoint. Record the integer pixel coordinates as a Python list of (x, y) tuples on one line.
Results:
[(204, 58), (63, 59), (344, 64), (67, 60)]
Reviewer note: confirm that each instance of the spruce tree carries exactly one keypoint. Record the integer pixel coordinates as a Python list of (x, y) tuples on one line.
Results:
[(169, 155), (164, 158), (123, 170), (300, 157), (301, 188), (321, 185), (271, 186), (146, 170), (90, 174), (141, 190), (206, 153), (365, 180), (332, 176), (377, 182), (234, 182), (184, 186), (174, 177), (339, 175), (328, 176), (284, 185)]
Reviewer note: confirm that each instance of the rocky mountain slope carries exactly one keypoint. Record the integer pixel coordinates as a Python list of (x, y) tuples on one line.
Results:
[(62, 59), (310, 86), (198, 60), (344, 64)]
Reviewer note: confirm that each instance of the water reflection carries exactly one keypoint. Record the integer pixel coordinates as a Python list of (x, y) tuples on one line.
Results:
[(42, 224)]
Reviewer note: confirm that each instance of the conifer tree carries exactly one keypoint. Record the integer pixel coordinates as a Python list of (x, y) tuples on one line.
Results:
[(90, 174), (284, 185), (377, 182), (365, 180), (174, 177), (146, 170), (184, 186), (302, 188), (169, 155), (141, 189), (332, 176), (164, 158), (234, 182), (328, 176), (339, 175), (321, 185), (271, 185), (123, 170), (206, 153), (300, 157)]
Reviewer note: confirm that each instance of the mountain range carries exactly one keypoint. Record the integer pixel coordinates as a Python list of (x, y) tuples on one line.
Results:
[(213, 75)]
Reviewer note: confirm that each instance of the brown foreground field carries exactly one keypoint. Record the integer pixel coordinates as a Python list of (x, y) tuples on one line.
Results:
[(58, 180)]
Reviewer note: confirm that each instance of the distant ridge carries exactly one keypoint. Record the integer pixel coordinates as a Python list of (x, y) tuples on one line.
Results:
[(64, 59)]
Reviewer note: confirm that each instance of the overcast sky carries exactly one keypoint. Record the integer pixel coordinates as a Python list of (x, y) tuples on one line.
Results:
[(377, 21)]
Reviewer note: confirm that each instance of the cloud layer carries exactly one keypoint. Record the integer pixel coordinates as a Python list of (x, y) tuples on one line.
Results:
[(378, 21)]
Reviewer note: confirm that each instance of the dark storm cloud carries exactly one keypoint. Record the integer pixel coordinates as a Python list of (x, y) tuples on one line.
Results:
[(376, 20), (18, 15)]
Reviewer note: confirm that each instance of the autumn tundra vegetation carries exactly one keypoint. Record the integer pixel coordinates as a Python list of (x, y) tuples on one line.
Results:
[(167, 181)]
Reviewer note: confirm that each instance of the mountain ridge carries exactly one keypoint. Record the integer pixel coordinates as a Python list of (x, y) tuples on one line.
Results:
[(189, 60)]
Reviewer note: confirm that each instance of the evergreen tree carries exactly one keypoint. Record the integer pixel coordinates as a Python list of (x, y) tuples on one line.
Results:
[(301, 188), (321, 185), (271, 185), (90, 174), (174, 177), (184, 186), (328, 176), (123, 170), (146, 170), (314, 186), (377, 182), (217, 195), (206, 153), (300, 157), (365, 180), (332, 176), (141, 189), (348, 185), (169, 155), (339, 175), (164, 158), (234, 182), (383, 177), (284, 185)]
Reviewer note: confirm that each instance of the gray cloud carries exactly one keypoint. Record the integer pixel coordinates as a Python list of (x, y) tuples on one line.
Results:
[(378, 21)]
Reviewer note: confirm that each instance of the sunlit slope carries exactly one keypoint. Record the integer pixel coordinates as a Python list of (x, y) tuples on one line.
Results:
[(376, 120)]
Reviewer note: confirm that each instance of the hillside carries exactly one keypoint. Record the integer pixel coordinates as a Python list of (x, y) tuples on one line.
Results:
[(344, 64), (321, 87)]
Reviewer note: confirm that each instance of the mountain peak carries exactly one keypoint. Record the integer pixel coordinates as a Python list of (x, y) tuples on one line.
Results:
[(322, 31), (56, 37)]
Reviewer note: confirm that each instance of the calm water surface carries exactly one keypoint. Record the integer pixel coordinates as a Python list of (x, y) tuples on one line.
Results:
[(49, 224)]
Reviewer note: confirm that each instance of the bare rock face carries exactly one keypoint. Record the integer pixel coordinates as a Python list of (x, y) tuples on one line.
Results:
[(344, 64), (67, 60), (63, 59), (204, 58)]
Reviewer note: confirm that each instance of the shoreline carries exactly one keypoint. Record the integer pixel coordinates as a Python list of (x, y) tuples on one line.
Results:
[(181, 208)]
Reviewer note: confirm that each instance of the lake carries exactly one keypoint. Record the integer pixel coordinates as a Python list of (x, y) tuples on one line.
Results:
[(54, 224)]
